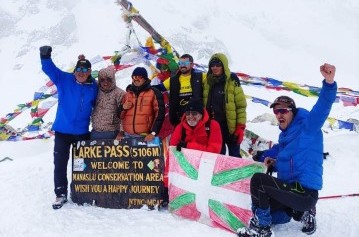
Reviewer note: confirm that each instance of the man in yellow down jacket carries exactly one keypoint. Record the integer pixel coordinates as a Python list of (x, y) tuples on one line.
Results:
[(226, 103)]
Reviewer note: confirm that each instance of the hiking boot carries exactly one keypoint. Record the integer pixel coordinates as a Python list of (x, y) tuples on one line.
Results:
[(59, 202), (297, 215), (309, 222), (164, 204), (165, 197), (254, 230)]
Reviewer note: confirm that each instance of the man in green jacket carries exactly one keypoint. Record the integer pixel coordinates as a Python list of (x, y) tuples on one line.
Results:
[(226, 103)]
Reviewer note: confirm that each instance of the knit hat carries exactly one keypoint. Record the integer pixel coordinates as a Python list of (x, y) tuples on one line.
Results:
[(195, 105), (140, 71), (82, 62), (286, 101), (107, 72)]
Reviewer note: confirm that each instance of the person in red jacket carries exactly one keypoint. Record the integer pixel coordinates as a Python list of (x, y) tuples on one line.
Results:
[(195, 131)]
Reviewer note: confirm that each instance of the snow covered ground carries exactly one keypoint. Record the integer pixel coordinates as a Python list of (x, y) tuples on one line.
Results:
[(279, 39)]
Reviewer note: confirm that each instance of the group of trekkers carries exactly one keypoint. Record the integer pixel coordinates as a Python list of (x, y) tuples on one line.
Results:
[(208, 113)]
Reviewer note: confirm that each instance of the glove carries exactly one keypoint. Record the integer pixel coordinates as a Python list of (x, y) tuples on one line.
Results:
[(257, 155), (180, 145), (270, 170), (239, 132), (45, 52)]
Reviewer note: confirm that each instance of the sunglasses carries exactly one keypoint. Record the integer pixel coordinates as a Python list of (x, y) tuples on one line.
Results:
[(216, 64), (108, 79), (185, 63), (82, 69), (137, 77), (193, 113), (281, 111)]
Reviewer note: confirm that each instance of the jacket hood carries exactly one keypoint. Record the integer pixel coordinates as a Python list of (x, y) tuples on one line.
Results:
[(221, 57), (108, 72), (113, 86)]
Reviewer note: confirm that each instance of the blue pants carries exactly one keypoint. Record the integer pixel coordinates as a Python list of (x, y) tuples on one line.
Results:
[(62, 148)]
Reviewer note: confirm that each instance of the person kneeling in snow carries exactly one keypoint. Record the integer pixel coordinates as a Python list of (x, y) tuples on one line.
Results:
[(299, 163)]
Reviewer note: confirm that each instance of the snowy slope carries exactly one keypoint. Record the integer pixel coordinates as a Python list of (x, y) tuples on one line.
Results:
[(279, 39)]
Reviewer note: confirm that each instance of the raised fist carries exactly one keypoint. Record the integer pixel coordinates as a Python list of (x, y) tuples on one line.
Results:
[(328, 72), (45, 52)]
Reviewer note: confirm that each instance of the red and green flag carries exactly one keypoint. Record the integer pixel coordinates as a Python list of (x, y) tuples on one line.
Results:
[(211, 188)]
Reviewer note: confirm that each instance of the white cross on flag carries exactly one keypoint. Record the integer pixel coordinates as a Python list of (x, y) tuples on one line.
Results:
[(211, 188)]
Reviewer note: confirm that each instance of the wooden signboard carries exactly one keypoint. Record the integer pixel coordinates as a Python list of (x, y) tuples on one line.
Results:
[(113, 174)]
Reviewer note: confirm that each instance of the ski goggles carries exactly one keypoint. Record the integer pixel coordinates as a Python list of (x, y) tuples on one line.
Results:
[(81, 69), (184, 64), (281, 110)]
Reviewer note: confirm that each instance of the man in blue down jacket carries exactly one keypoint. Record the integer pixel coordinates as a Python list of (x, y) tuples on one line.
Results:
[(298, 159), (77, 93)]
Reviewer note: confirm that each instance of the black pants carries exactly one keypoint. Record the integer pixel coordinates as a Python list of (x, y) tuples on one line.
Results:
[(62, 148), (268, 191)]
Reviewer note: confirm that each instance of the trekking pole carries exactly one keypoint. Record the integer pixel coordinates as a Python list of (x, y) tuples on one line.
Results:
[(340, 196)]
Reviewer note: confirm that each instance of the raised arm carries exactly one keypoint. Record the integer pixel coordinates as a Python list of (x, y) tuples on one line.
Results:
[(48, 67), (322, 107), (328, 72)]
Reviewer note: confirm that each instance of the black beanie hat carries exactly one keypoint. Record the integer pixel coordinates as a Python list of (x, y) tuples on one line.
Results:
[(195, 105), (140, 71), (82, 62)]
